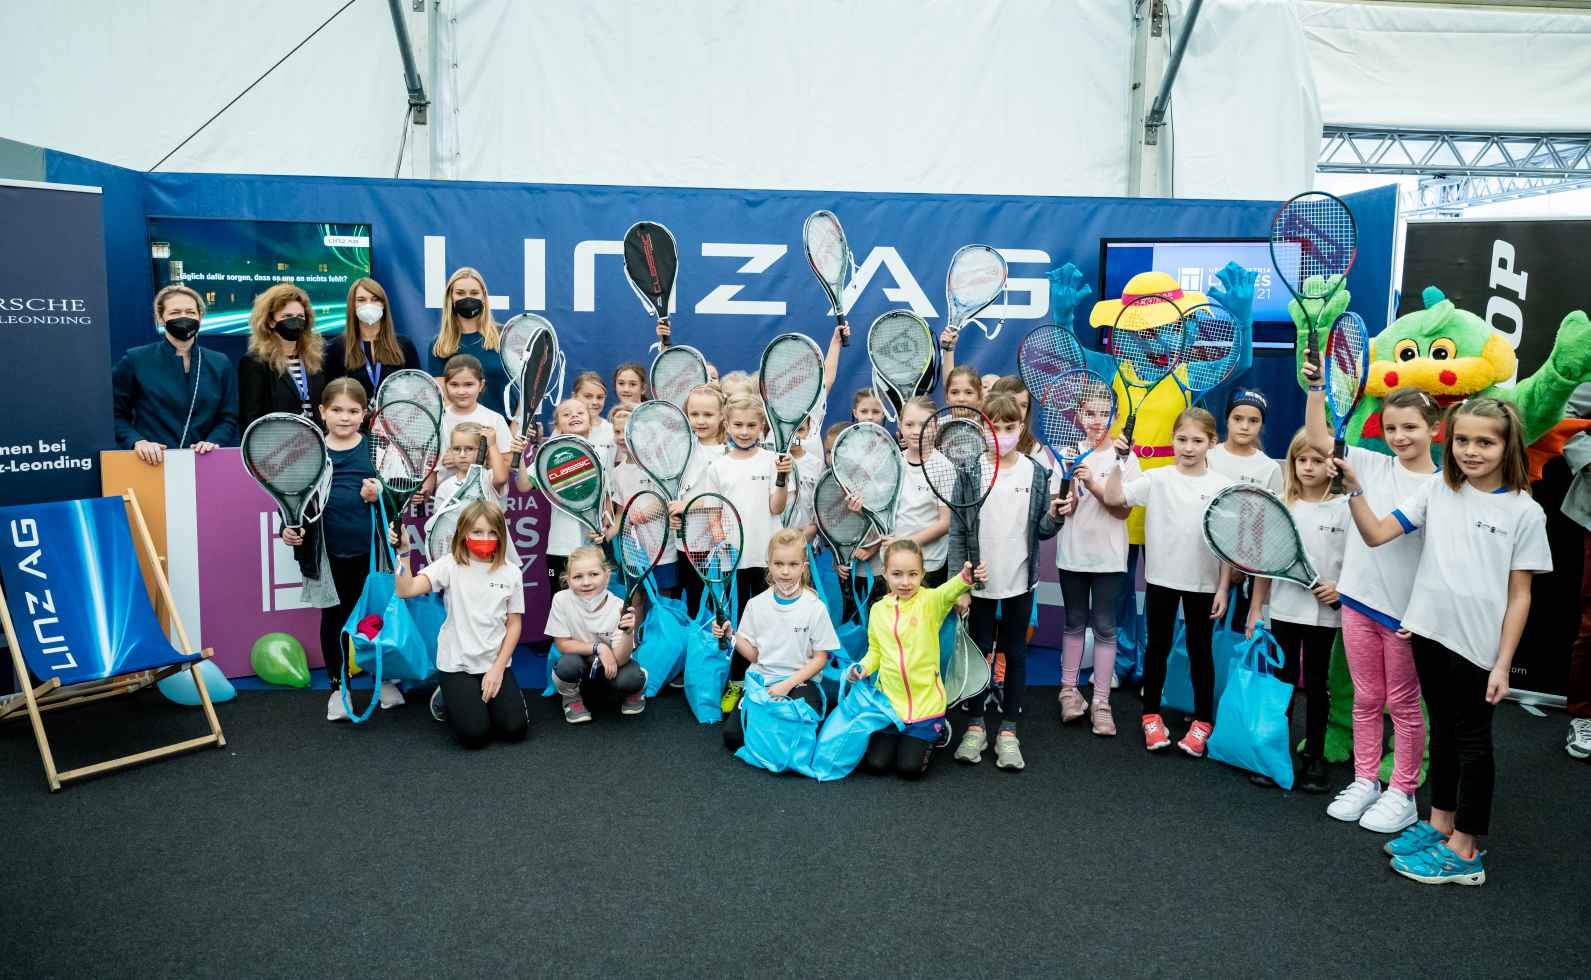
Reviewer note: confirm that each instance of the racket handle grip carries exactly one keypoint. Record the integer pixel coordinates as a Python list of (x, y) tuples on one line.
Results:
[(1126, 435), (1339, 449), (781, 479), (845, 331), (718, 620), (662, 338), (1066, 487), (513, 461)]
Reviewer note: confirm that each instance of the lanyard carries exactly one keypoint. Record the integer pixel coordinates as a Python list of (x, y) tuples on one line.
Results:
[(300, 381), (372, 366)]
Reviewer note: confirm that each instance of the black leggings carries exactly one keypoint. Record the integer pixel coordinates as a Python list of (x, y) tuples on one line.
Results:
[(476, 722), (1462, 771), (348, 574), (1009, 636), (1091, 599), (1314, 644), (735, 733), (574, 668), (1160, 611), (891, 751)]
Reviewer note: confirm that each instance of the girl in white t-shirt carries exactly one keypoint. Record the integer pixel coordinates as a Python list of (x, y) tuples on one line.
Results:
[(1466, 612), (590, 389), (964, 388), (462, 384), (625, 480), (591, 631), (1304, 621), (1012, 520), (1179, 570), (1374, 589), (485, 601), (463, 450), (919, 515), (1027, 444), (1241, 457), (564, 533), (785, 633), (1091, 553), (704, 410)]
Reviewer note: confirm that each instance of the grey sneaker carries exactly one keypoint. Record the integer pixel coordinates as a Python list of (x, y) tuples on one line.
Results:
[(1008, 752), (973, 742), (574, 710), (634, 704), (1073, 706), (1579, 744)]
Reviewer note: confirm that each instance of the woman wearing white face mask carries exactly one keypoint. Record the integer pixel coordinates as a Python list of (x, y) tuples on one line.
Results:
[(369, 348)]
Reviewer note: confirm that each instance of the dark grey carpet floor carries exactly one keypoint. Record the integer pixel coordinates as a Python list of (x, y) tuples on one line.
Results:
[(636, 846)]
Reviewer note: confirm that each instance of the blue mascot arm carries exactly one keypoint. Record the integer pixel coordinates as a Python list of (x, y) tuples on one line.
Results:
[(1067, 292), (1235, 293)]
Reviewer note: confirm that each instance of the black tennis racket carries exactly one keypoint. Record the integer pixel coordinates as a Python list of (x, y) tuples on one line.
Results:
[(534, 380), (710, 534), (1147, 341), (960, 465), (285, 453), (660, 439), (867, 463), (675, 371), (900, 348), (639, 545), (790, 380), (651, 264), (1314, 240), (829, 255), (1347, 364)]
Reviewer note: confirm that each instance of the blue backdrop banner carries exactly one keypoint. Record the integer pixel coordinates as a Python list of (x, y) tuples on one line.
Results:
[(55, 379)]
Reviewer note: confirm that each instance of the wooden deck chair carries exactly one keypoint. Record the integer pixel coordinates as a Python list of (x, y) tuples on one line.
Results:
[(77, 616)]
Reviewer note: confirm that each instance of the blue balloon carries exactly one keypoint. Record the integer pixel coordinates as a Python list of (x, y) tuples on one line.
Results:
[(179, 686)]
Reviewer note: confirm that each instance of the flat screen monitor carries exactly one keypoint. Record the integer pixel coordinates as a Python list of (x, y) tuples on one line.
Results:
[(1193, 262)]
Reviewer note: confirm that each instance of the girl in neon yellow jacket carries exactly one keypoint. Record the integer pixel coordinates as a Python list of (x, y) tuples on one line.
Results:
[(903, 647)]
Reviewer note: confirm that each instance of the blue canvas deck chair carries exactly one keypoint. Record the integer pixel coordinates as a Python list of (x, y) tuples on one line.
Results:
[(77, 617)]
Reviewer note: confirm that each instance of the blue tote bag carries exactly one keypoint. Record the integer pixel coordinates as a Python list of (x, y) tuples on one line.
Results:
[(781, 733), (706, 666), (1177, 693), (404, 648), (663, 639), (1253, 732), (860, 710)]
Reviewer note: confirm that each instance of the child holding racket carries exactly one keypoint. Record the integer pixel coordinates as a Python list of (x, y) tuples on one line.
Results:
[(903, 648), (1091, 554), (462, 384), (485, 602), (1012, 520), (592, 632), (464, 450), (590, 389), (919, 515), (704, 410), (1241, 458), (1179, 570), (625, 480), (345, 522), (1027, 444), (564, 532), (1375, 588), (1305, 621), (785, 633), (1466, 611)]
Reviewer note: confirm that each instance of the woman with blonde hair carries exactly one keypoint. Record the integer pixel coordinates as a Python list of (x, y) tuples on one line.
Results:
[(369, 348), (282, 371), (468, 328)]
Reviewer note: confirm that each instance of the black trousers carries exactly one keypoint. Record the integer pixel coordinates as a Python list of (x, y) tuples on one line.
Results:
[(1312, 645), (748, 582), (735, 732), (349, 575), (573, 668), (1007, 634), (475, 722), (891, 751), (1462, 770), (1160, 611)]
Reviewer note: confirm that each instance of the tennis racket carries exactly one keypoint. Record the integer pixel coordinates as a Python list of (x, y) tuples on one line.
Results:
[(512, 343), (843, 529), (866, 461), (640, 543), (829, 255), (286, 455), (1249, 528), (660, 439), (405, 445), (1212, 351), (675, 371), (711, 536), (651, 264), (900, 348), (790, 379), (571, 477), (1147, 341), (1314, 241), (976, 276), (960, 465), (1075, 416), (535, 379), (410, 385), (1347, 364)]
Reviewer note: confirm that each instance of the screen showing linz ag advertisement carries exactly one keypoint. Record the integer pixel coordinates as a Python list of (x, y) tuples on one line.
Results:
[(1194, 263), (230, 262)]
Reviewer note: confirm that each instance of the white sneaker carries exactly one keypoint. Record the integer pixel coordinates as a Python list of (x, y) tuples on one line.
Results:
[(1115, 680), (391, 697), (334, 706), (1352, 802), (1392, 813), (1579, 738)]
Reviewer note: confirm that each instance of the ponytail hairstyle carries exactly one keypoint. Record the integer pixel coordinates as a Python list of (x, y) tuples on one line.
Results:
[(906, 545), (862, 395), (591, 377), (344, 387), (1196, 416), (714, 394), (1515, 466)]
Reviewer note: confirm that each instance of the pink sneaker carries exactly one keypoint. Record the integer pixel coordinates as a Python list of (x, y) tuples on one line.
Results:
[(1073, 706), (1155, 735), (1101, 719), (1193, 742)]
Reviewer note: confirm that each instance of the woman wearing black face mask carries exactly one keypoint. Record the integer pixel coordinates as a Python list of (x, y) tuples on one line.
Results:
[(282, 370), (170, 394), (468, 328)]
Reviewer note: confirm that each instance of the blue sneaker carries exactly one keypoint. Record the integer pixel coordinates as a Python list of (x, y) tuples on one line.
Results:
[(1440, 866), (1420, 837)]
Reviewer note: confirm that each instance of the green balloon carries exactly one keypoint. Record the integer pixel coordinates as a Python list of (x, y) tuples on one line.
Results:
[(278, 658)]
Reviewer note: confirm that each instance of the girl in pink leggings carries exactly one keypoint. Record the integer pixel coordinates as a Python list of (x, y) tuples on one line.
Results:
[(1374, 588)]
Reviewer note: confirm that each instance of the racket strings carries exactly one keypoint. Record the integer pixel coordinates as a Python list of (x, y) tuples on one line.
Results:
[(1321, 230), (1253, 530), (1150, 338), (977, 274), (286, 454), (843, 527), (660, 437), (1077, 407), (404, 444), (900, 347), (514, 341), (826, 246), (1347, 351), (866, 462), (674, 373), (791, 378), (1212, 349), (410, 385), (643, 533), (711, 538)]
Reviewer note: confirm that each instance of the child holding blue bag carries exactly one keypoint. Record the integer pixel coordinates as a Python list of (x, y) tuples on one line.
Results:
[(785, 633), (903, 648)]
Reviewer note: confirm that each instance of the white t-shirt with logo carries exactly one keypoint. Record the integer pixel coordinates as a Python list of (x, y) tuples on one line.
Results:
[(747, 483), (1380, 579), (482, 416), (1256, 468), (916, 507), (601, 438), (1461, 586), (1091, 540), (1003, 530), (568, 619), (1175, 555), (702, 456), (478, 599), (1324, 527), (786, 633)]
